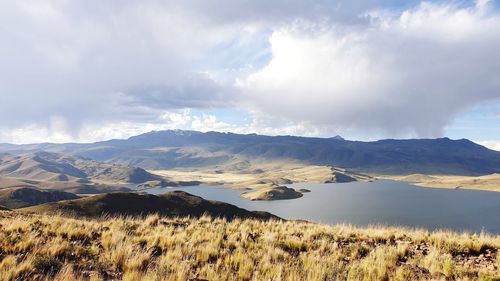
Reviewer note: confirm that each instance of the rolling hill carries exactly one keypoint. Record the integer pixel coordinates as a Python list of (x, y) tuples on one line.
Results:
[(64, 172), (488, 182), (190, 149), (13, 198), (3, 208), (170, 204), (46, 166)]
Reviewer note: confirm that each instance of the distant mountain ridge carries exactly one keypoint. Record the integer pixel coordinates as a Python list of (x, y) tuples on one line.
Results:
[(191, 149)]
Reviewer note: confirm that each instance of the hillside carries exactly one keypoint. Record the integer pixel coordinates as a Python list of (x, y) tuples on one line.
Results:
[(272, 193), (64, 172), (13, 198), (38, 167), (45, 166), (270, 174), (232, 152), (40, 247), (172, 204), (488, 182)]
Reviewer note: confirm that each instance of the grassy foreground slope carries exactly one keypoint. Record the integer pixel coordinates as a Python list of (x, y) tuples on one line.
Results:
[(39, 247)]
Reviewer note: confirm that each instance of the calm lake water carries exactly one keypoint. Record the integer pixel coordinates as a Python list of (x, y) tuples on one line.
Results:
[(379, 202)]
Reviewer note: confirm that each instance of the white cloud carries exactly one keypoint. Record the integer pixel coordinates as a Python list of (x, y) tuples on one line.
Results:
[(404, 74), (495, 145), (91, 132), (58, 130), (118, 130), (208, 122), (29, 133)]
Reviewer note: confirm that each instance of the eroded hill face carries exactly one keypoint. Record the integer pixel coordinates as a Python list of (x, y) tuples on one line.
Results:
[(38, 167), (46, 166), (48, 170)]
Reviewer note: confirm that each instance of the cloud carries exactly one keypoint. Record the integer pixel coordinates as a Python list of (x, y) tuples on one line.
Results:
[(406, 74), (74, 70), (57, 130), (208, 122), (495, 145), (76, 58), (111, 61)]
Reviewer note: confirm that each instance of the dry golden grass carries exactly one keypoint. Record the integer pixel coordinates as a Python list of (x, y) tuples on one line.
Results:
[(487, 183), (261, 175), (37, 247), (272, 193)]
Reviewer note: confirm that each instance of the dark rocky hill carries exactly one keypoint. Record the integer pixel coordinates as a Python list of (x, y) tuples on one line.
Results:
[(13, 198), (171, 204)]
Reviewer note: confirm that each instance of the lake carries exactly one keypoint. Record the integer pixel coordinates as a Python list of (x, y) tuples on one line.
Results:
[(380, 202)]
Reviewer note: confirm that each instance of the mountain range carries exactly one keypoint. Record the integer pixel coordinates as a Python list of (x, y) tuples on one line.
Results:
[(191, 149)]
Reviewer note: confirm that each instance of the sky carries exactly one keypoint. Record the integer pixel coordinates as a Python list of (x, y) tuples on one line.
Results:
[(84, 71)]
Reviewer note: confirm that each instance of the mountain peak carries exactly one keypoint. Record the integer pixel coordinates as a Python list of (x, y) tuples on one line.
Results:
[(338, 137)]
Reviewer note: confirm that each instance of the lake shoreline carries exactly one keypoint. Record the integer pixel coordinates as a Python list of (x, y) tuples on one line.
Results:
[(384, 202)]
